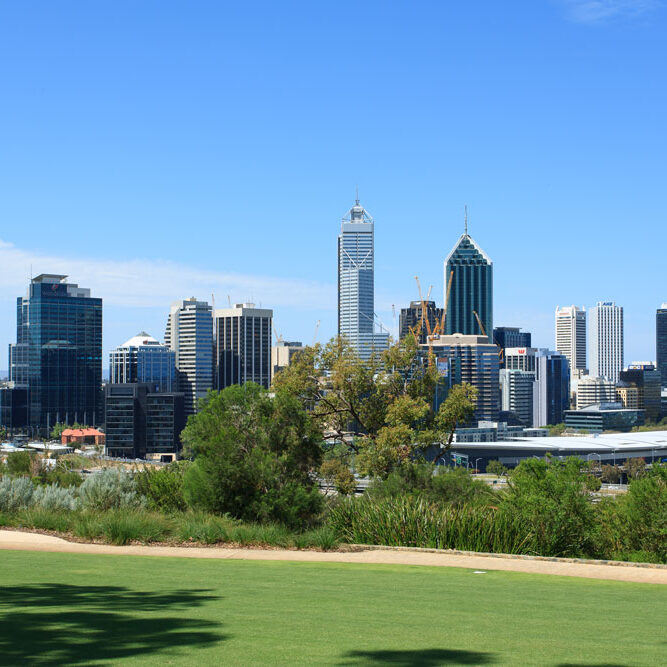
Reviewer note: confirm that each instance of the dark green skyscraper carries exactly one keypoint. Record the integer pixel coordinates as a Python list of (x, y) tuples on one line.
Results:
[(471, 291)]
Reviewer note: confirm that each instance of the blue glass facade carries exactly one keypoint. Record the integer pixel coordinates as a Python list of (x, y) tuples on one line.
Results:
[(58, 353), (471, 290)]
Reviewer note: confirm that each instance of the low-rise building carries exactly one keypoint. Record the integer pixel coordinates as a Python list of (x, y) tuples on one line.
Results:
[(601, 417), (82, 436)]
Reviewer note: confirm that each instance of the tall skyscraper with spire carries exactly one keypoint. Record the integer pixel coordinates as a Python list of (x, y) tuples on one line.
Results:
[(356, 278), (470, 270)]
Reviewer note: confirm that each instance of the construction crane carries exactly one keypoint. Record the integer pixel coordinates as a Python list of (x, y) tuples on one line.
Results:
[(444, 310), (424, 317), (481, 326), (279, 337)]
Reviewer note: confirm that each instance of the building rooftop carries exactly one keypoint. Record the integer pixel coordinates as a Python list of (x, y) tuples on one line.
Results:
[(141, 339), (49, 278)]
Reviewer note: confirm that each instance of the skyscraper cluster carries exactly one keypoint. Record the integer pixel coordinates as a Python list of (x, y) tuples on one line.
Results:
[(56, 363)]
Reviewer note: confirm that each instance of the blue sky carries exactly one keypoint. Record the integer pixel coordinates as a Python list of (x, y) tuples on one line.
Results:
[(158, 150)]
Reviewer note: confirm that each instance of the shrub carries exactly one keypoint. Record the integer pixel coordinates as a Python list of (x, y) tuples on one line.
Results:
[(123, 526), (553, 499), (15, 494), (200, 527), (19, 463), (163, 487), (46, 519), (496, 468), (52, 497), (112, 488)]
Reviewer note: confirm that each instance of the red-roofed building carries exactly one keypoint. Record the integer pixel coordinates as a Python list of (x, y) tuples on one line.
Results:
[(82, 436)]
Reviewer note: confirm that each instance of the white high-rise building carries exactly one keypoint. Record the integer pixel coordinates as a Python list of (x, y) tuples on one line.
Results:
[(571, 337), (356, 289), (189, 334), (591, 390), (606, 340), (243, 345)]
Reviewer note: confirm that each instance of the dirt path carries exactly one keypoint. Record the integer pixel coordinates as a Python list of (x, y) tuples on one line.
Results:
[(16, 540)]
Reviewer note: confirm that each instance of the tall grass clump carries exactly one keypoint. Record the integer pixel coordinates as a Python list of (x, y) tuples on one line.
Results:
[(111, 488), (415, 522), (123, 526), (204, 528), (43, 518)]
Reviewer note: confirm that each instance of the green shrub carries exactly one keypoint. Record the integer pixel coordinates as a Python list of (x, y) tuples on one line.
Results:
[(163, 487), (52, 497), (205, 528), (87, 525), (19, 463), (47, 519), (123, 526), (112, 488)]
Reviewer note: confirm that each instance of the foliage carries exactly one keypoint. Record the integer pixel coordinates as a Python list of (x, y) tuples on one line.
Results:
[(112, 488), (19, 463), (58, 428), (336, 473), (406, 521), (254, 457), (556, 429), (381, 408), (496, 468), (15, 494), (610, 474), (554, 500), (163, 487), (53, 497), (437, 484), (3, 434), (636, 467)]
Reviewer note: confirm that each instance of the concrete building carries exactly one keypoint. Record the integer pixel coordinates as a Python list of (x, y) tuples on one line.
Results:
[(141, 423), (282, 354), (474, 360), (57, 357), (639, 389), (516, 394), (142, 358), (419, 319), (606, 340), (243, 345), (189, 334), (600, 417), (471, 291), (356, 283), (661, 343), (551, 391), (591, 390), (571, 337)]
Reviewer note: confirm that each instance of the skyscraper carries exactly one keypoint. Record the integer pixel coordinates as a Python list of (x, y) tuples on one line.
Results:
[(58, 352), (411, 318), (505, 337), (571, 337), (471, 290), (143, 359), (661, 342), (356, 289), (606, 340), (243, 345), (189, 334)]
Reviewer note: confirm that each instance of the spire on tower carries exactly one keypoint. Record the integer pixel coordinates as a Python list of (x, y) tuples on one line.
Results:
[(357, 195), (466, 220)]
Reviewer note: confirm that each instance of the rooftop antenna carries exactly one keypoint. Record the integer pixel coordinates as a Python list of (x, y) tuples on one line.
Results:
[(466, 220), (357, 194)]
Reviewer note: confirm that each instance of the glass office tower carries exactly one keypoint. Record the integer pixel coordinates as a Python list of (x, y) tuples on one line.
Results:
[(356, 290), (58, 352), (661, 342), (471, 291), (143, 359)]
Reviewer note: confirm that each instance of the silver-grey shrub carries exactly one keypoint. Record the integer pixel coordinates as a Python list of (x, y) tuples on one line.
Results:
[(54, 497), (112, 488), (15, 494)]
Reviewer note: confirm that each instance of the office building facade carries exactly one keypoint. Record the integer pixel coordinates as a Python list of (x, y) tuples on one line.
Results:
[(143, 359), (57, 357), (639, 388), (606, 340), (142, 423), (243, 345), (356, 283), (470, 291), (600, 417), (470, 359), (282, 354), (571, 337), (505, 337), (516, 394), (594, 390), (419, 318), (189, 334), (661, 343)]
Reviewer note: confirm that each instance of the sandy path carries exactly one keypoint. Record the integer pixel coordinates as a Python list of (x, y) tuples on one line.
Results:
[(15, 540)]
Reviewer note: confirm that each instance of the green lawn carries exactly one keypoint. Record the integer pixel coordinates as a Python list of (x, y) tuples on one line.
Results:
[(65, 609)]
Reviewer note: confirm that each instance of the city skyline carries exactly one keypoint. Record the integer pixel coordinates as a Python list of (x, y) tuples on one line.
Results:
[(141, 169)]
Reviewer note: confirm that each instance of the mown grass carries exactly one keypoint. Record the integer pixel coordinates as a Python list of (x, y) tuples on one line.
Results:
[(72, 609), (125, 526)]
